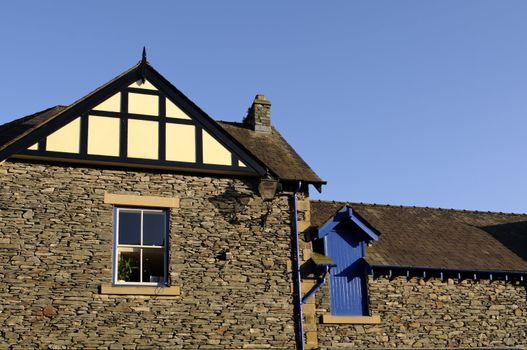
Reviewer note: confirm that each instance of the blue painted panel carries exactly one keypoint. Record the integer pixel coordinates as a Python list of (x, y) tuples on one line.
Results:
[(348, 292)]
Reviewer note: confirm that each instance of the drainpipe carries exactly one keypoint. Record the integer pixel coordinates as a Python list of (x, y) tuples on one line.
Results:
[(320, 283), (296, 278)]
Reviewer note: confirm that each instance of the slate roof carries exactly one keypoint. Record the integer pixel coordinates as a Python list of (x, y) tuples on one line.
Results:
[(438, 238), (17, 128), (274, 151), (269, 148)]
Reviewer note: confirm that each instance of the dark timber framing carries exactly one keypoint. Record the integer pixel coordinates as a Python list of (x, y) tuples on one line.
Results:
[(161, 154), (123, 129), (83, 108)]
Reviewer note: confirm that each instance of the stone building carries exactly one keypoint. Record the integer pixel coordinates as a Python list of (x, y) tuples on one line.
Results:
[(415, 277), (132, 219)]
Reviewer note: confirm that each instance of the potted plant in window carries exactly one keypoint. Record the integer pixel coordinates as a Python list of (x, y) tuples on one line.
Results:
[(125, 269)]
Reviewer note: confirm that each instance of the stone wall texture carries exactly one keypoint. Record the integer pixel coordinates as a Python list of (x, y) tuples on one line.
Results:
[(56, 239), (430, 313)]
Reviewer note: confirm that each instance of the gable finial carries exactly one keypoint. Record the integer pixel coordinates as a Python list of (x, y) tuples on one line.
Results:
[(143, 65)]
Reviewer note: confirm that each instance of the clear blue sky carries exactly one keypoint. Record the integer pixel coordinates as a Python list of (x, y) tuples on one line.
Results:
[(399, 102)]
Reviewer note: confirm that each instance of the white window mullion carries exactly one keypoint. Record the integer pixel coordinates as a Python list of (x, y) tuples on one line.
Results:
[(142, 215), (141, 265)]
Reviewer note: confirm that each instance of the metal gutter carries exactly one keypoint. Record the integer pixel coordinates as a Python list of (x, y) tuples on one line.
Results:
[(442, 271), (316, 287), (296, 278)]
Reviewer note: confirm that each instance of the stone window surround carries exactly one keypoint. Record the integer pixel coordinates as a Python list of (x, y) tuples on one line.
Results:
[(332, 319), (108, 288), (143, 201)]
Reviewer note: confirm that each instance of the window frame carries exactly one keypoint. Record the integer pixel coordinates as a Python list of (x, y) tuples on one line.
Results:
[(141, 247)]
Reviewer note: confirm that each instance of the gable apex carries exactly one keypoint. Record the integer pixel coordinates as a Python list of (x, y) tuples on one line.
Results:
[(140, 119)]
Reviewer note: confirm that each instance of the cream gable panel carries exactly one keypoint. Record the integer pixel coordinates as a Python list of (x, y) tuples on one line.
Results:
[(241, 164), (103, 136), (173, 111), (180, 143), (143, 139), (65, 139), (140, 85), (113, 104), (214, 152), (34, 147), (143, 104)]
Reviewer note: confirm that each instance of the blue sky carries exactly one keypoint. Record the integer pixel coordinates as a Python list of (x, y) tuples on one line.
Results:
[(400, 102)]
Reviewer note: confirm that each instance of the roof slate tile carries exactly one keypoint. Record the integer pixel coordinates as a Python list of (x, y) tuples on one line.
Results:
[(438, 238)]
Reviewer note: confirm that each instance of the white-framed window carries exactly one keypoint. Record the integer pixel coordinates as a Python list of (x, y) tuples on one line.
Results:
[(141, 247)]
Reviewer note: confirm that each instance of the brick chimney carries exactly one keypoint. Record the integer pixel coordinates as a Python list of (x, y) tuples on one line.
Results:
[(259, 115)]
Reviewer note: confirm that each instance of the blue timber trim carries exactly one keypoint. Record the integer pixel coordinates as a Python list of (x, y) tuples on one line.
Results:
[(320, 282), (348, 282), (344, 214), (297, 280)]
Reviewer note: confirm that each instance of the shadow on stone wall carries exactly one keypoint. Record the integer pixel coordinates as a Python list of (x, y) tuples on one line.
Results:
[(231, 204)]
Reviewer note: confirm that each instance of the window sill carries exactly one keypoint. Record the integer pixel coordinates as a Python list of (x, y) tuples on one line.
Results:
[(140, 290), (331, 319)]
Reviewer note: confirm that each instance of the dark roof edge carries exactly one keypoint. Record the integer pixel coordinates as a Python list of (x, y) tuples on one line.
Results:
[(448, 269), (134, 73), (415, 207), (25, 139), (317, 184), (27, 117), (212, 124)]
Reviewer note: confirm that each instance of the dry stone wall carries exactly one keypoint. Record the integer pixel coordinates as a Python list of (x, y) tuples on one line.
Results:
[(56, 237), (429, 313)]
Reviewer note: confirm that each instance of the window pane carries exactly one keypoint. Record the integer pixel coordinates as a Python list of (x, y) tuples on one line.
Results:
[(129, 227), (154, 228), (153, 265), (128, 266)]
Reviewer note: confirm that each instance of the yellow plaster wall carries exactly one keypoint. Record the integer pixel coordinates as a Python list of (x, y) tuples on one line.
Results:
[(65, 139), (103, 136), (142, 139), (173, 111), (214, 152), (34, 147), (241, 164), (113, 104), (143, 104), (180, 142), (140, 85)]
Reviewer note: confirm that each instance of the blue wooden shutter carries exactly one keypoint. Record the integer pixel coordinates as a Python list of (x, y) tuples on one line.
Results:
[(348, 289)]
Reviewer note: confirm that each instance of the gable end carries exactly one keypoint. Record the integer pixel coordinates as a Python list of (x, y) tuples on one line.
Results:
[(138, 119)]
